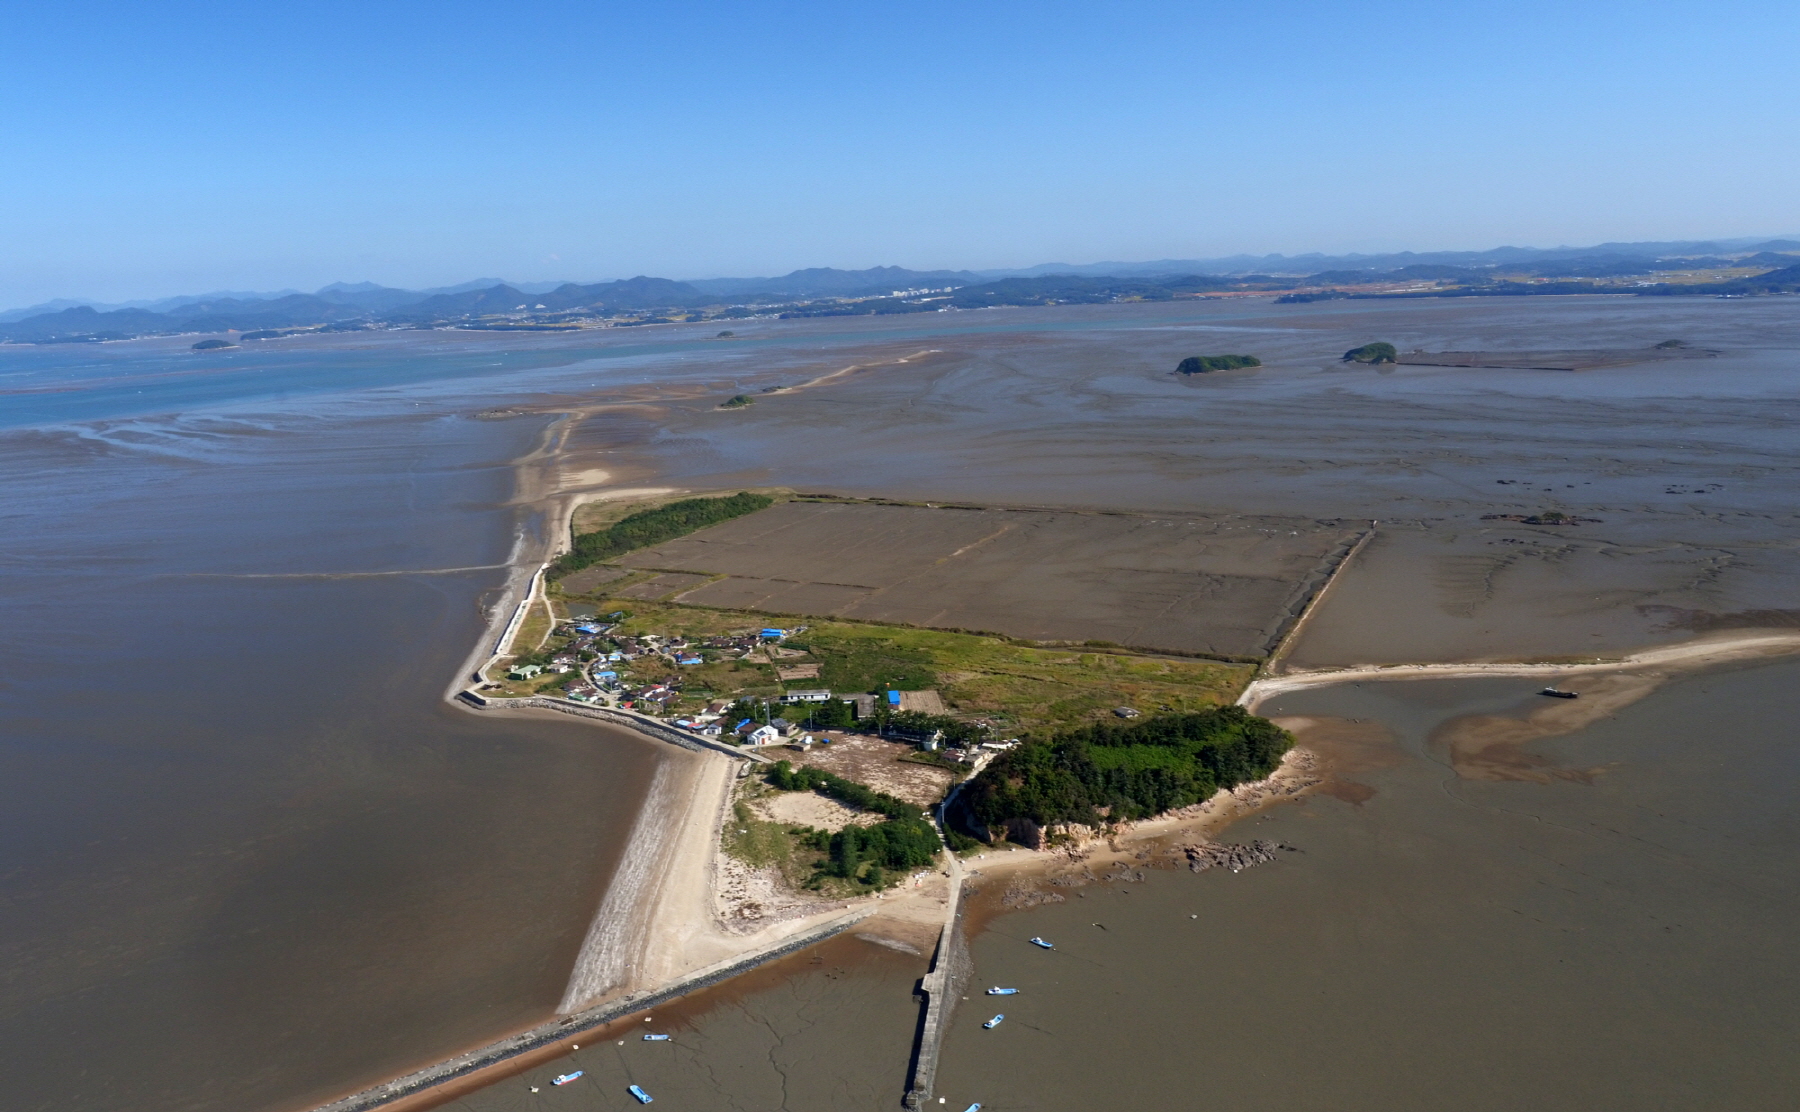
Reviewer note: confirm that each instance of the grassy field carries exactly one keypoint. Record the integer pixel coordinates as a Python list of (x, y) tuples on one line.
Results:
[(1015, 686)]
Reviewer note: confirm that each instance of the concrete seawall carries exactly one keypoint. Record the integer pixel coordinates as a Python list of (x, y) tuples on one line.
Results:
[(941, 988), (648, 726), (546, 1034)]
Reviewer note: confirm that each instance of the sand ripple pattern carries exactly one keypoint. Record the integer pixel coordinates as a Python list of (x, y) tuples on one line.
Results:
[(616, 938)]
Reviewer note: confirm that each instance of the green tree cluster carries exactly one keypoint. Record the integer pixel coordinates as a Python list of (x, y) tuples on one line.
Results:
[(1201, 364), (920, 726), (865, 853), (785, 777), (1372, 353), (1127, 771), (832, 714), (648, 527)]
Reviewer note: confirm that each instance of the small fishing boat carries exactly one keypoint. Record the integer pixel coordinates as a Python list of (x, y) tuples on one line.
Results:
[(565, 1078), (1555, 694), (1041, 942), (642, 1097), (995, 1022), (973, 1108), (998, 991), (656, 1038)]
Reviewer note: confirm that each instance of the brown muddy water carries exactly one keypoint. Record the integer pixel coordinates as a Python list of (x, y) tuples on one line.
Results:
[(1619, 940), (251, 859)]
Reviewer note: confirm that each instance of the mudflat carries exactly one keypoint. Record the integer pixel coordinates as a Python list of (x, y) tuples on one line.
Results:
[(1215, 584)]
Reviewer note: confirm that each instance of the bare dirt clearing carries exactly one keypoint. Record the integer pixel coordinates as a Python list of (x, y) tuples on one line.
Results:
[(876, 763)]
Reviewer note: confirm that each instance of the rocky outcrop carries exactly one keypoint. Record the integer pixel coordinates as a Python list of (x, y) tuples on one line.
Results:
[(1233, 856)]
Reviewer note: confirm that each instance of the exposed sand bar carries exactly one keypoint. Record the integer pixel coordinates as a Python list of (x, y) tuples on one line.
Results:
[(1690, 654)]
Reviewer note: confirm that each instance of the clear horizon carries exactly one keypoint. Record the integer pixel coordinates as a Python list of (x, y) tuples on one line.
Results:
[(208, 147), (516, 281)]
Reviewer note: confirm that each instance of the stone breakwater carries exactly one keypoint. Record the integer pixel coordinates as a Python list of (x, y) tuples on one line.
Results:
[(547, 1034)]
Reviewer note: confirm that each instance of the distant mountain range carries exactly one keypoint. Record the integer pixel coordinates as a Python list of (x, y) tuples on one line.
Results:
[(824, 291)]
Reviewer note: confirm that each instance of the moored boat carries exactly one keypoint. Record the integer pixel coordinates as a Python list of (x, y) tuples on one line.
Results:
[(998, 991), (1041, 942), (995, 1022), (565, 1078), (656, 1038), (1555, 694), (642, 1097)]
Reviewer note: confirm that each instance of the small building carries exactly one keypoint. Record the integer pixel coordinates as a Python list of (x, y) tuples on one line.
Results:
[(524, 671), (893, 700), (864, 705), (690, 658), (810, 696), (1125, 712), (772, 634), (763, 735)]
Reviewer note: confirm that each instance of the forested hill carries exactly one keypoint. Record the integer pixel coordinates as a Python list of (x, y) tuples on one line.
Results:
[(1126, 770)]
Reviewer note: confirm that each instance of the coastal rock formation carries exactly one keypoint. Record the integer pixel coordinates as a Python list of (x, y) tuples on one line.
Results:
[(1233, 856)]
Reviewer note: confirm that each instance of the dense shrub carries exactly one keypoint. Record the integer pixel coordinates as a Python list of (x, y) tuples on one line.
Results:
[(648, 527), (787, 778), (1127, 771), (1201, 364), (1372, 353)]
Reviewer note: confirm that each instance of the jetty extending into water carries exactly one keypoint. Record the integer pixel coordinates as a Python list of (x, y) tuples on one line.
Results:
[(568, 1027)]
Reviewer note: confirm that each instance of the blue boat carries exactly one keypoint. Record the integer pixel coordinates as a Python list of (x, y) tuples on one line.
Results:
[(642, 1097), (998, 991), (656, 1038), (995, 1022), (565, 1078), (973, 1108), (1041, 942)]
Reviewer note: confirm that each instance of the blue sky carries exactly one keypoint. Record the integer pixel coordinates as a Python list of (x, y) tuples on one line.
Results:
[(159, 149)]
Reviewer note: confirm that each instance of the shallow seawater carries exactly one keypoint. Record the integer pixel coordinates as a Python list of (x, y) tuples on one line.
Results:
[(830, 1027), (248, 856), (251, 860), (1618, 944)]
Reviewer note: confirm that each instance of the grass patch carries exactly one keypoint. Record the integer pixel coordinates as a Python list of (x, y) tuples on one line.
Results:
[(868, 663), (1018, 688), (760, 843), (533, 629)]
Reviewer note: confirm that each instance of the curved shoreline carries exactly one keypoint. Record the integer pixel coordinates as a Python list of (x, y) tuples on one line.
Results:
[(1686, 655)]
